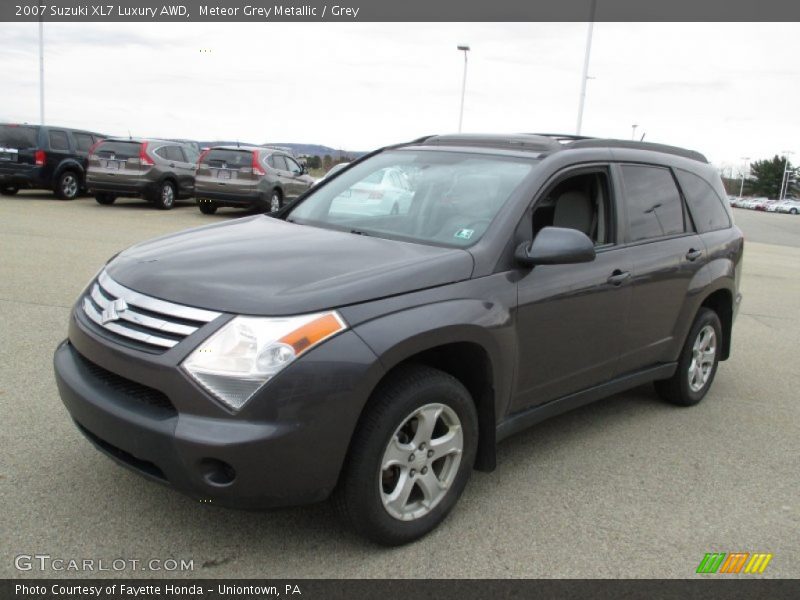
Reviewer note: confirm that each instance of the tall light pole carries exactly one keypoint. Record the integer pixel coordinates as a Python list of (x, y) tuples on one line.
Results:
[(41, 70), (784, 178), (585, 76), (741, 189), (465, 49), (633, 131)]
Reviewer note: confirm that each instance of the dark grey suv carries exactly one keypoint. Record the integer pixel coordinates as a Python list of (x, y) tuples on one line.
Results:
[(346, 348), (160, 171)]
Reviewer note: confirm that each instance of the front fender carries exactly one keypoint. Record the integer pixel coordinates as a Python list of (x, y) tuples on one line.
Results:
[(399, 336)]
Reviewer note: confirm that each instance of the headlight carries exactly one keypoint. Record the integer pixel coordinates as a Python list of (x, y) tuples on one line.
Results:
[(238, 359)]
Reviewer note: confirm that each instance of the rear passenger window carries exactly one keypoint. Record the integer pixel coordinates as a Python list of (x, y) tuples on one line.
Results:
[(58, 140), (705, 205), (278, 162), (654, 204), (83, 141)]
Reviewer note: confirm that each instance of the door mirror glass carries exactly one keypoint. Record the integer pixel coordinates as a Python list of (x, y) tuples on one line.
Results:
[(556, 246)]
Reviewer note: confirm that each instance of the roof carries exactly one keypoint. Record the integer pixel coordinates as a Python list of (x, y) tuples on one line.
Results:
[(550, 142)]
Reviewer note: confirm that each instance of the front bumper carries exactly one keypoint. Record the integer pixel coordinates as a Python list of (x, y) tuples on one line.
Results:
[(286, 446)]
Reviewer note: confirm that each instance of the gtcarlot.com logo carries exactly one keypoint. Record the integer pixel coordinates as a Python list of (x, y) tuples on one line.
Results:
[(734, 562), (46, 562)]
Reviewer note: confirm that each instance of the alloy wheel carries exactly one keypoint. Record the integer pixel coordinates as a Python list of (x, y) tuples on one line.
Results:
[(167, 195), (275, 202), (704, 351), (69, 186), (421, 462)]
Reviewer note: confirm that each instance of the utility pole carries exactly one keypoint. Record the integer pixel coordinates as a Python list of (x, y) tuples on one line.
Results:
[(585, 76), (784, 178)]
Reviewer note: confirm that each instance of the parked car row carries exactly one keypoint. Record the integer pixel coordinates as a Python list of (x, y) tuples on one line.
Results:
[(161, 171), (788, 205)]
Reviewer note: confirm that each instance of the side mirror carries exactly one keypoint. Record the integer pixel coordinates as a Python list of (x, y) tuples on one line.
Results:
[(303, 169), (556, 246)]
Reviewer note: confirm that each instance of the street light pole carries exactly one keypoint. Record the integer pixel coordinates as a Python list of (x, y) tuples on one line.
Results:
[(585, 76), (741, 189), (633, 131), (41, 70), (465, 49), (784, 178)]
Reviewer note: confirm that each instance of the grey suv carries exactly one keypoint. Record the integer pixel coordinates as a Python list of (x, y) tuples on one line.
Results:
[(159, 171), (379, 355), (249, 177)]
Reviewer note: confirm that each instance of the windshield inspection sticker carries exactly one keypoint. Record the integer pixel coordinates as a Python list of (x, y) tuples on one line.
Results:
[(464, 234)]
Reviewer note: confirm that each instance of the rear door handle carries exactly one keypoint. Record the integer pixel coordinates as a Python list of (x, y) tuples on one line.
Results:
[(618, 277), (694, 254)]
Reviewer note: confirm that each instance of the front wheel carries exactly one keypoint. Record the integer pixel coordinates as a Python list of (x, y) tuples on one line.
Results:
[(410, 457), (166, 196), (275, 201), (68, 186), (793, 211), (697, 364), (9, 190)]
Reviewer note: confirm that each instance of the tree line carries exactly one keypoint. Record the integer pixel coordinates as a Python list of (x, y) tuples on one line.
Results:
[(765, 179)]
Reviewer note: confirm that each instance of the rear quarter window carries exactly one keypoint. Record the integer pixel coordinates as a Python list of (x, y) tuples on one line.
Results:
[(83, 141), (653, 203), (58, 140), (706, 207)]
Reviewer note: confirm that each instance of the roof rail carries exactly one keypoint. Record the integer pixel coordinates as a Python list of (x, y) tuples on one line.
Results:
[(515, 141), (563, 137), (633, 145)]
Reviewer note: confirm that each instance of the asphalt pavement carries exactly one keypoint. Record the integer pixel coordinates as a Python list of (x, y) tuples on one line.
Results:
[(626, 487)]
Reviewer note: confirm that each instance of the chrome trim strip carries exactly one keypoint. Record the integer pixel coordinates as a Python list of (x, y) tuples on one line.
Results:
[(123, 331), (154, 304), (133, 316)]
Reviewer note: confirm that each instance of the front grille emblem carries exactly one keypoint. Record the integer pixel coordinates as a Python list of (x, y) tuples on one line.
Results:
[(114, 310)]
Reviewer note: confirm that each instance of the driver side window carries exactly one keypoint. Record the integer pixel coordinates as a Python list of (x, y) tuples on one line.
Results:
[(579, 202)]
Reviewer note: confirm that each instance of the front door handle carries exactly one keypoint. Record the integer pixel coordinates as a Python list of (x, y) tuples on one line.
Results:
[(693, 254), (618, 277)]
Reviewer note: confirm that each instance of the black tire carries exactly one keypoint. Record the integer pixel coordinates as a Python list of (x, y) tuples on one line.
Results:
[(104, 198), (68, 186), (166, 195), (358, 496), (678, 389), (207, 207), (793, 211), (10, 190)]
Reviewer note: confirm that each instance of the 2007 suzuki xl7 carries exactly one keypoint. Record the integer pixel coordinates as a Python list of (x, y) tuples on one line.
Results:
[(343, 347)]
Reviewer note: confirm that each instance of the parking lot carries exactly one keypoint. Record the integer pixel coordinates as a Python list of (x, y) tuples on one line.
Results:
[(627, 487)]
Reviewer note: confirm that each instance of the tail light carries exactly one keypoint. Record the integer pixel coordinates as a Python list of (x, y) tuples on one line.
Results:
[(144, 159), (92, 148), (375, 195), (257, 170), (39, 156), (202, 156)]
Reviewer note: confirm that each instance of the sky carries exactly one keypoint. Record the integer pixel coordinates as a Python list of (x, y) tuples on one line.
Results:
[(729, 90)]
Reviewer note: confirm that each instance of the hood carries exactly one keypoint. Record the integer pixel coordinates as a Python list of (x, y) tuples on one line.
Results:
[(265, 266)]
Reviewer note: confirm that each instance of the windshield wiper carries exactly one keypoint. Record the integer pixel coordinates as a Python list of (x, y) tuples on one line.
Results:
[(359, 232)]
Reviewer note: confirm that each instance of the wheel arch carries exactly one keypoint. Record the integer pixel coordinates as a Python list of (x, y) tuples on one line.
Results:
[(721, 302)]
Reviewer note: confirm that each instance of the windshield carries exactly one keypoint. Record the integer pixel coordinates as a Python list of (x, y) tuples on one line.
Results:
[(438, 197)]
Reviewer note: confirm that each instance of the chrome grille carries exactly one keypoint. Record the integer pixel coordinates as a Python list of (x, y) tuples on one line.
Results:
[(155, 324)]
